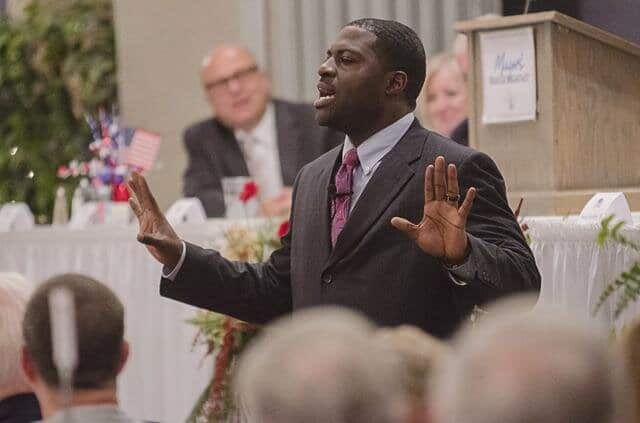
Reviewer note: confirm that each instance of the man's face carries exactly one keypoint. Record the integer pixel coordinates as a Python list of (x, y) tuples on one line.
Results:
[(352, 82), (235, 88)]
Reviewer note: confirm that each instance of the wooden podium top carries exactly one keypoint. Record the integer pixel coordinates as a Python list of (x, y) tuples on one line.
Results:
[(556, 17)]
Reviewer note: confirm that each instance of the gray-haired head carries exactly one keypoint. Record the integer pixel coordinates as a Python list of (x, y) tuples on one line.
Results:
[(528, 367), (320, 365), (14, 295)]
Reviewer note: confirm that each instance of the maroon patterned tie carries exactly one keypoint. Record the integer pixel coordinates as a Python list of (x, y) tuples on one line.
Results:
[(342, 200)]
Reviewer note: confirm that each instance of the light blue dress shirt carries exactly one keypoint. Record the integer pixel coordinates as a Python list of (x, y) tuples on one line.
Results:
[(371, 152)]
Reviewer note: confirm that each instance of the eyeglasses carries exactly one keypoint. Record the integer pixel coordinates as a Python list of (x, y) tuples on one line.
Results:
[(240, 76)]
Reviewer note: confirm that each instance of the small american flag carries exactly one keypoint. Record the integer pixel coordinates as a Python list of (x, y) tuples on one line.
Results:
[(142, 151)]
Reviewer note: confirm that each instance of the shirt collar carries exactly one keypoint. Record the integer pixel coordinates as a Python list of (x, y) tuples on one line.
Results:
[(102, 412), (374, 148), (262, 130)]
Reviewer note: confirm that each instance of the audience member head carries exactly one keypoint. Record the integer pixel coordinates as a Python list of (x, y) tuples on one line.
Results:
[(372, 76), (518, 366), (236, 89), (630, 343), (443, 103), (320, 365), (102, 350), (419, 355), (14, 294)]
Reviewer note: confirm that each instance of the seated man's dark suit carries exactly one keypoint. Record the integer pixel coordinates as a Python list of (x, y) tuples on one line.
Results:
[(373, 268), (21, 408), (214, 152)]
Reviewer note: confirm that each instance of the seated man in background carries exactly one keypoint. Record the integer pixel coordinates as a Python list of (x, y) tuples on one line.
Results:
[(251, 134), (102, 352), (17, 402), (521, 366), (320, 365)]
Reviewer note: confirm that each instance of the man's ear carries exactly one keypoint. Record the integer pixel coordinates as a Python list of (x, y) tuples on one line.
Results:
[(396, 82), (28, 367), (124, 355)]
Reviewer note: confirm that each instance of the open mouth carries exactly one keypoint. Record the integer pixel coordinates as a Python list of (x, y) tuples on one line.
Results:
[(327, 95)]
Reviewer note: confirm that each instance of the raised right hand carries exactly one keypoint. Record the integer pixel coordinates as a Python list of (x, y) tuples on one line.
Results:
[(154, 229)]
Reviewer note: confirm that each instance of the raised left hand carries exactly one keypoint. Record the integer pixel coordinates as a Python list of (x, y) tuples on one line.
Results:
[(441, 233)]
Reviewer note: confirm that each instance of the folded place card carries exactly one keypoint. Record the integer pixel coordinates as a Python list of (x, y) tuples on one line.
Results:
[(16, 217), (186, 210), (604, 204)]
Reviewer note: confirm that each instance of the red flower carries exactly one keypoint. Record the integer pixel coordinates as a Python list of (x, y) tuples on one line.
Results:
[(249, 191), (63, 172), (283, 229)]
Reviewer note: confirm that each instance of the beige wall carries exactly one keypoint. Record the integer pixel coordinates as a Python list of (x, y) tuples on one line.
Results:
[(160, 45)]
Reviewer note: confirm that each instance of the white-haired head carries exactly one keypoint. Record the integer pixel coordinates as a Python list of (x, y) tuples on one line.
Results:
[(15, 291), (520, 366), (321, 365)]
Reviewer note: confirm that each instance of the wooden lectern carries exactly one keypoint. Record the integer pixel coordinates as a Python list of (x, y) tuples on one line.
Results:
[(586, 134)]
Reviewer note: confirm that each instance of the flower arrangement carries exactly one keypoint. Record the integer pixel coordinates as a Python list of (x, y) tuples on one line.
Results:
[(225, 336), (117, 151)]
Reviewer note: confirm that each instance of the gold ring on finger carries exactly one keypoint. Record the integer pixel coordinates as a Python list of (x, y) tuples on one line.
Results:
[(452, 197)]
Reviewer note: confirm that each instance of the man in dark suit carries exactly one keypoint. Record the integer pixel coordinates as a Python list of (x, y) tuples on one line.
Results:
[(250, 135), (346, 244)]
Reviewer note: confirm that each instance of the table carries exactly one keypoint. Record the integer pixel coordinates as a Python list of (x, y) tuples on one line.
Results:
[(164, 376), (575, 270)]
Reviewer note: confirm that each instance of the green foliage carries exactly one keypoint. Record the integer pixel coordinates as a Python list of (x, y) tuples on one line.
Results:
[(55, 65), (628, 282)]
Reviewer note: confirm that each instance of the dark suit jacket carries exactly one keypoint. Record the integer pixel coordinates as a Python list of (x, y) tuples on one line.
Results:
[(461, 133), (214, 153), (373, 268), (21, 408)]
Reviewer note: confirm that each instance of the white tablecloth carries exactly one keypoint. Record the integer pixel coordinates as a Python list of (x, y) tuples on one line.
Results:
[(575, 270), (164, 376)]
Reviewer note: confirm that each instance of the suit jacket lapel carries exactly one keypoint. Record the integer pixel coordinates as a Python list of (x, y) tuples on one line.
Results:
[(288, 137), (388, 180)]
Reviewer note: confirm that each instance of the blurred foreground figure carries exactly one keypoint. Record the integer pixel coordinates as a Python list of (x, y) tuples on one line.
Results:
[(419, 354), (630, 343), (17, 402), (320, 366), (102, 352), (529, 367)]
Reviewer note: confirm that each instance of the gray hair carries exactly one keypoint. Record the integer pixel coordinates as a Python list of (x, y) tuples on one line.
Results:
[(14, 294), (320, 365), (543, 366)]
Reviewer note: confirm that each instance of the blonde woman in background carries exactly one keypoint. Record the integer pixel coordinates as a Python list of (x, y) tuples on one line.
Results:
[(443, 105)]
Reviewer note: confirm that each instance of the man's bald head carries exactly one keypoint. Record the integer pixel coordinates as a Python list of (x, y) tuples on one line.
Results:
[(237, 91)]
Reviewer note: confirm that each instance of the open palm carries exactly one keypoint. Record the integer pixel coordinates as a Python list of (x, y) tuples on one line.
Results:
[(154, 229), (441, 231)]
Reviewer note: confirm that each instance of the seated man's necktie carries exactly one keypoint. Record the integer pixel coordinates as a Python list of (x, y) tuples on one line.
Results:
[(341, 202)]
